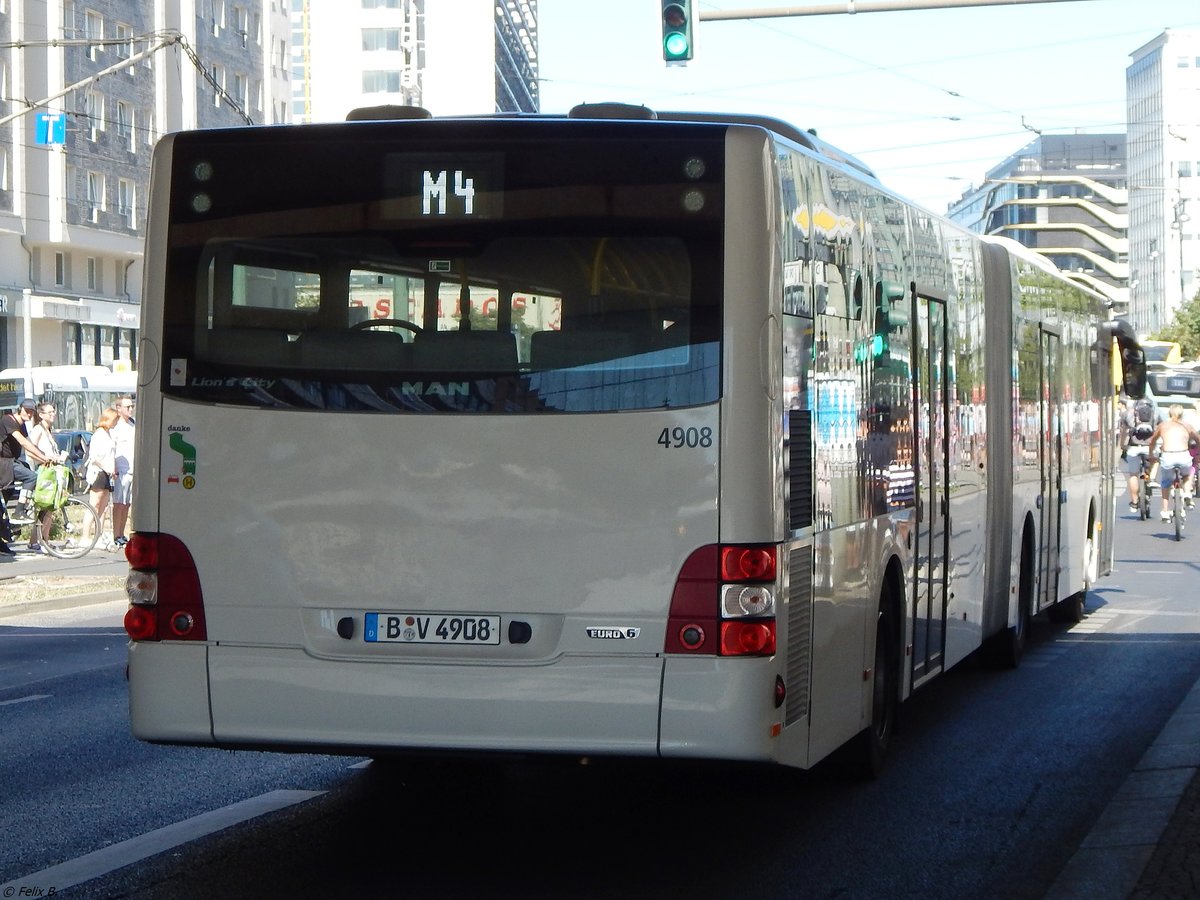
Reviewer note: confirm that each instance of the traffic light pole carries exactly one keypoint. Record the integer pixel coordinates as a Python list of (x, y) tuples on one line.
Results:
[(852, 7)]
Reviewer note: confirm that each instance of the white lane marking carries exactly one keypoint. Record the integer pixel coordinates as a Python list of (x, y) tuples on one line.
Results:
[(24, 699), (109, 859)]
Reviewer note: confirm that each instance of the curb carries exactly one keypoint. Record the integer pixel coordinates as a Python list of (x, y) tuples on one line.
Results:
[(1109, 863), (68, 601)]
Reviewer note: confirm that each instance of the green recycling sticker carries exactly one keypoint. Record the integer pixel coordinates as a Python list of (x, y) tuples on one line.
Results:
[(187, 476)]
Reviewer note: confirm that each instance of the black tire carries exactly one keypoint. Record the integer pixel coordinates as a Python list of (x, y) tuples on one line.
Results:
[(1177, 510), (1069, 610), (1008, 646), (74, 530), (867, 753)]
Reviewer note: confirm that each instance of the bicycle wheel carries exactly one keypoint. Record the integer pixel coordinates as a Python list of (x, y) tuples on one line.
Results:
[(1177, 506), (1144, 500), (74, 530)]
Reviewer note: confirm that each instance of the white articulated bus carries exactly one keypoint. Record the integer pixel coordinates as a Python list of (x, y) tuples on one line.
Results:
[(79, 392), (593, 434)]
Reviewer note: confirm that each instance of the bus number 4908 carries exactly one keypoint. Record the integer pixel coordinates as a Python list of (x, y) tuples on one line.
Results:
[(675, 438)]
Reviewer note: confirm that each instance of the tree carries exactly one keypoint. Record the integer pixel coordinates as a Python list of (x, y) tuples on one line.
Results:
[(1184, 329)]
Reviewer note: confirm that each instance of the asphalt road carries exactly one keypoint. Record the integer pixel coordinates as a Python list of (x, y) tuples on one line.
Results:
[(995, 779)]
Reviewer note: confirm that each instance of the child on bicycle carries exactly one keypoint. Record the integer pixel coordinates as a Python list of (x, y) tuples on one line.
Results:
[(1173, 437)]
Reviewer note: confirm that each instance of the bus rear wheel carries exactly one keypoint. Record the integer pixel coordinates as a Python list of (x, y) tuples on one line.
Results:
[(867, 753)]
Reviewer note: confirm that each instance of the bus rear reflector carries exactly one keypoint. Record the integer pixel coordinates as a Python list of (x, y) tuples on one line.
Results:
[(163, 587)]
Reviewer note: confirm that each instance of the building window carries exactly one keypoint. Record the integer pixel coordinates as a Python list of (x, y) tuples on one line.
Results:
[(126, 206), (94, 31), (377, 81), (95, 196), (93, 274), (125, 48), (94, 109), (62, 270), (125, 124), (241, 26), (218, 77), (381, 38)]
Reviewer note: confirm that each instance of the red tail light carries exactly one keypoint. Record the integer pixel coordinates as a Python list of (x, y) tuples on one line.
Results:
[(166, 603), (711, 611)]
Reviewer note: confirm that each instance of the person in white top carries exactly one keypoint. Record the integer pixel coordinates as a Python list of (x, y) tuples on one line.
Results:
[(123, 486), (1173, 438), (42, 437), (102, 462)]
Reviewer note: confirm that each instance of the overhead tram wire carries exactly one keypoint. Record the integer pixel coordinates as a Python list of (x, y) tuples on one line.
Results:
[(164, 40)]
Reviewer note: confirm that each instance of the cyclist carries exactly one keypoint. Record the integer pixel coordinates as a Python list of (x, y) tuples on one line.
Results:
[(1137, 427), (1173, 437)]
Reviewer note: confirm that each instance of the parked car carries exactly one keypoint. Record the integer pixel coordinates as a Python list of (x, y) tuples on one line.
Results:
[(75, 445)]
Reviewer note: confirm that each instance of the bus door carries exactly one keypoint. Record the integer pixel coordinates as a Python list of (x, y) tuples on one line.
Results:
[(1050, 453), (932, 402)]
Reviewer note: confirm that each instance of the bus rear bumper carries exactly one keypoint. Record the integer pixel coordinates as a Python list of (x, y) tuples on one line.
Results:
[(168, 693), (287, 698)]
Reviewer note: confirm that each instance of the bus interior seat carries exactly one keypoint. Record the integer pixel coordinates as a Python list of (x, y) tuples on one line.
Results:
[(564, 349), (354, 350), (479, 351), (243, 346)]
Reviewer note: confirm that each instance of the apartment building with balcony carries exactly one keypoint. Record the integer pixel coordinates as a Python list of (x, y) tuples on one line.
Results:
[(1066, 197), (100, 81)]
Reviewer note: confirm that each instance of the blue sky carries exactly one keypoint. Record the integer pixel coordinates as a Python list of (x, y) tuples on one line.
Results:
[(930, 99)]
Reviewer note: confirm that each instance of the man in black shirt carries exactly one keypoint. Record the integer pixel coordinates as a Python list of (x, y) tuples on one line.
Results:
[(14, 440)]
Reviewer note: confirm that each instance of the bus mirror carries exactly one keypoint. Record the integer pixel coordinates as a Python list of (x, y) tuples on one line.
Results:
[(1133, 372), (1132, 356)]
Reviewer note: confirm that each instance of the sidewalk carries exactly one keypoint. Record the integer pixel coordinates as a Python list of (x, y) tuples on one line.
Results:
[(21, 594), (1146, 843)]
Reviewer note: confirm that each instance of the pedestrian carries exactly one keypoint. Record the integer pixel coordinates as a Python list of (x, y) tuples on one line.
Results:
[(102, 463), (13, 442), (123, 484), (42, 437)]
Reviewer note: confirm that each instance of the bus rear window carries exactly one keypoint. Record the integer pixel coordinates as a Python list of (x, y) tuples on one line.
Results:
[(580, 323)]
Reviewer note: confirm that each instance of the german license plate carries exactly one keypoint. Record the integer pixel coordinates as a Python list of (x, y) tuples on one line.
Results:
[(431, 628)]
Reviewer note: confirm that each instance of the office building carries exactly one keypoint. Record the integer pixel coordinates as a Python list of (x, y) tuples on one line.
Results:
[(1162, 93), (469, 56)]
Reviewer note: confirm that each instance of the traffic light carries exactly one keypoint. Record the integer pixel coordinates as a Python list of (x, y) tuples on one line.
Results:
[(677, 31)]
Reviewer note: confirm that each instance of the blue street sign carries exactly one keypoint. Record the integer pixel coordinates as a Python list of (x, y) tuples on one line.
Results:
[(50, 129)]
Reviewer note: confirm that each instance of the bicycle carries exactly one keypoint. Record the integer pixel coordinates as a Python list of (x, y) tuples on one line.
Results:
[(74, 528), (1177, 501), (1148, 484)]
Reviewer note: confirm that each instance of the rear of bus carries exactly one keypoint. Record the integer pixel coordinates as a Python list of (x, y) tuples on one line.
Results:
[(454, 435)]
